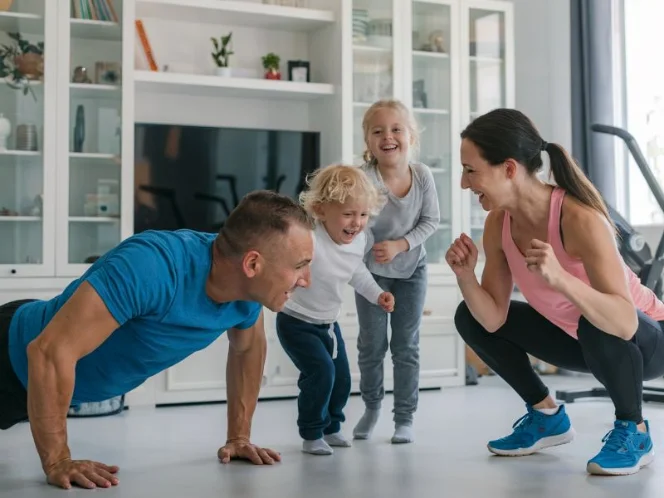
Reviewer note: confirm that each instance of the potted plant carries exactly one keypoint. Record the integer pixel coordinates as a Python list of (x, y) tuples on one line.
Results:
[(271, 65), (221, 54), (22, 63)]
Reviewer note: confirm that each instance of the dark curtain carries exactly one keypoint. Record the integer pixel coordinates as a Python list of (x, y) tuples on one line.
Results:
[(592, 47)]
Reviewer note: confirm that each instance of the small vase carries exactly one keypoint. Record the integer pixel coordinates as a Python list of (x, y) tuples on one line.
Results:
[(224, 71), (5, 131)]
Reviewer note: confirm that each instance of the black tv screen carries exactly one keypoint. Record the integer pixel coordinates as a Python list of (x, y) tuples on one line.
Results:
[(193, 176)]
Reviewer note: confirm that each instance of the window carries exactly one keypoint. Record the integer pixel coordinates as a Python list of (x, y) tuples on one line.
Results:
[(644, 103)]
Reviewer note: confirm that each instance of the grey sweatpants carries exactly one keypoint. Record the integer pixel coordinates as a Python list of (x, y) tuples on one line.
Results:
[(404, 344)]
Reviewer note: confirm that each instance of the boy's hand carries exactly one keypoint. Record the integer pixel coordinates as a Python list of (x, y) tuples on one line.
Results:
[(386, 301)]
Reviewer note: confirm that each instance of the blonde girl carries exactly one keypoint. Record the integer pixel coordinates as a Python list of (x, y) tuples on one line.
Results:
[(398, 263)]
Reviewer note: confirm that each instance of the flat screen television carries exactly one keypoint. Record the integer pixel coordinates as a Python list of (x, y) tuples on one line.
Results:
[(193, 176)]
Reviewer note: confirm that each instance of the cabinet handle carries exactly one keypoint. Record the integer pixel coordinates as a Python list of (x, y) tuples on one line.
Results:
[(351, 313), (427, 312), (13, 271)]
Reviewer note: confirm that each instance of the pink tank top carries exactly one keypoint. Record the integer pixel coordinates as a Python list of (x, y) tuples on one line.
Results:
[(550, 303)]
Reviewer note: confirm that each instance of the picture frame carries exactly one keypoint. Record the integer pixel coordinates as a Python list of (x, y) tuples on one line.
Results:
[(299, 71)]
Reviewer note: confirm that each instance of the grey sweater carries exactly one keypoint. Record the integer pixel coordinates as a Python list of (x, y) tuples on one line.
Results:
[(415, 217)]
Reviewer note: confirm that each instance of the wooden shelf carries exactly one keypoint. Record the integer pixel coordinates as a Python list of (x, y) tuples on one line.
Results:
[(231, 12), (220, 86), (95, 30), (13, 22)]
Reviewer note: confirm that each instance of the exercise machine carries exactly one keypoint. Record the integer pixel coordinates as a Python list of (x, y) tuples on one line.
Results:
[(636, 253)]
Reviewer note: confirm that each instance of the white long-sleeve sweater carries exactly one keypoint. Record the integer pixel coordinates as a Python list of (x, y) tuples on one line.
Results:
[(333, 266)]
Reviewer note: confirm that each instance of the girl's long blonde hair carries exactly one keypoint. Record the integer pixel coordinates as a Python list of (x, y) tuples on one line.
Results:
[(395, 105), (341, 183)]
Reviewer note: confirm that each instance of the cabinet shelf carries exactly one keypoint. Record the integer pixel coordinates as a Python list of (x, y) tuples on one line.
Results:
[(95, 30), (432, 55), (12, 219), (372, 49), (12, 22), (426, 110), (94, 156), (11, 152), (231, 12), (93, 219), (220, 86), (92, 91), (483, 59)]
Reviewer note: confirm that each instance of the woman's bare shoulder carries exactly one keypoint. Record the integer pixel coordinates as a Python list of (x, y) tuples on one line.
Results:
[(580, 223)]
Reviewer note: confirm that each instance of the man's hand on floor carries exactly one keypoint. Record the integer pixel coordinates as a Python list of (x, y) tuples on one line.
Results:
[(84, 473), (246, 451)]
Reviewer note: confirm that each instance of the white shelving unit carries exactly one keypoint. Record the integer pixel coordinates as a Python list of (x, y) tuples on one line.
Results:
[(214, 86), (460, 82), (236, 13)]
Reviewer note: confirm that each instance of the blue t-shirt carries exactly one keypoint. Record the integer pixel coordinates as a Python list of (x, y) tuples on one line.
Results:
[(153, 284)]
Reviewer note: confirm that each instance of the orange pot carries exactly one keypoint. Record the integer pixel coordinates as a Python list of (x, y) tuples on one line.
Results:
[(5, 5)]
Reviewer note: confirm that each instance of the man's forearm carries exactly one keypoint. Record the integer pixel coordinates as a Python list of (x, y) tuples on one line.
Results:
[(50, 389), (244, 375)]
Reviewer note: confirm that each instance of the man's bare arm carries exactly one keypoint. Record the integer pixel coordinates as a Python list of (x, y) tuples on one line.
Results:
[(79, 327), (244, 375)]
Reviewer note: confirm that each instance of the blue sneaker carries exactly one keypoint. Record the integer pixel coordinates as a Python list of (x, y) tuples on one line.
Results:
[(625, 451), (533, 432)]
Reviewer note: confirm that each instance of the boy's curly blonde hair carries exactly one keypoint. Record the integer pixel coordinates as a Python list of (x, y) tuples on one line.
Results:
[(341, 183)]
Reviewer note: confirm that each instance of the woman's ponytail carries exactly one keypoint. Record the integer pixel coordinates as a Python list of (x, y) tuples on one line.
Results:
[(569, 176)]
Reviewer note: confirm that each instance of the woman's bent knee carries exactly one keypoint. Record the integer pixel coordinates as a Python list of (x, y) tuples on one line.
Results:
[(465, 322)]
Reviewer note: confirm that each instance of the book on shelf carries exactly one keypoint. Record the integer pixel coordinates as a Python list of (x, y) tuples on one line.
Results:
[(94, 10), (142, 38)]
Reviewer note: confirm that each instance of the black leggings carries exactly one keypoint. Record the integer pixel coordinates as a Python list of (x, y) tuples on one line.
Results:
[(621, 366)]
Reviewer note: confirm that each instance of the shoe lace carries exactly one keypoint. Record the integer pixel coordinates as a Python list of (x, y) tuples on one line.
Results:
[(616, 439), (524, 422)]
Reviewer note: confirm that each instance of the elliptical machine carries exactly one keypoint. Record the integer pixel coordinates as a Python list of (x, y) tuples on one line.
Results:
[(636, 253)]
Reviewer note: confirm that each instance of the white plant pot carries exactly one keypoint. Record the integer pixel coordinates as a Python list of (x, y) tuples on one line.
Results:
[(224, 71), (5, 131)]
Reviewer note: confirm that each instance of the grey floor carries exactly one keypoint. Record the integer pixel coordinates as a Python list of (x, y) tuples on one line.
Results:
[(171, 452)]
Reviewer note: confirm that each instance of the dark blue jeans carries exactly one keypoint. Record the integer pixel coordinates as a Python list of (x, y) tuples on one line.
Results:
[(319, 353)]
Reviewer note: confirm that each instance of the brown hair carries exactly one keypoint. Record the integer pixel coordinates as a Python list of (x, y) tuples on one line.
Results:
[(395, 105), (339, 183), (258, 217), (502, 134)]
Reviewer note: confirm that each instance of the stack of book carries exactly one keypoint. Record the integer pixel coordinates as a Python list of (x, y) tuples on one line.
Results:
[(96, 10)]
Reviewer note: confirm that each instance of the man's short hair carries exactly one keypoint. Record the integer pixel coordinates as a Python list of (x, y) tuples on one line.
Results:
[(258, 217)]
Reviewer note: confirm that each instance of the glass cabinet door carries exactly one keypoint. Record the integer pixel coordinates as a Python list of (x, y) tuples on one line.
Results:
[(373, 56), (488, 82), (432, 78), (27, 96), (92, 92)]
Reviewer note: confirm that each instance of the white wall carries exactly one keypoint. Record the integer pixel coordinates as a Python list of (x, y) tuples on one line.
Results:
[(543, 73)]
